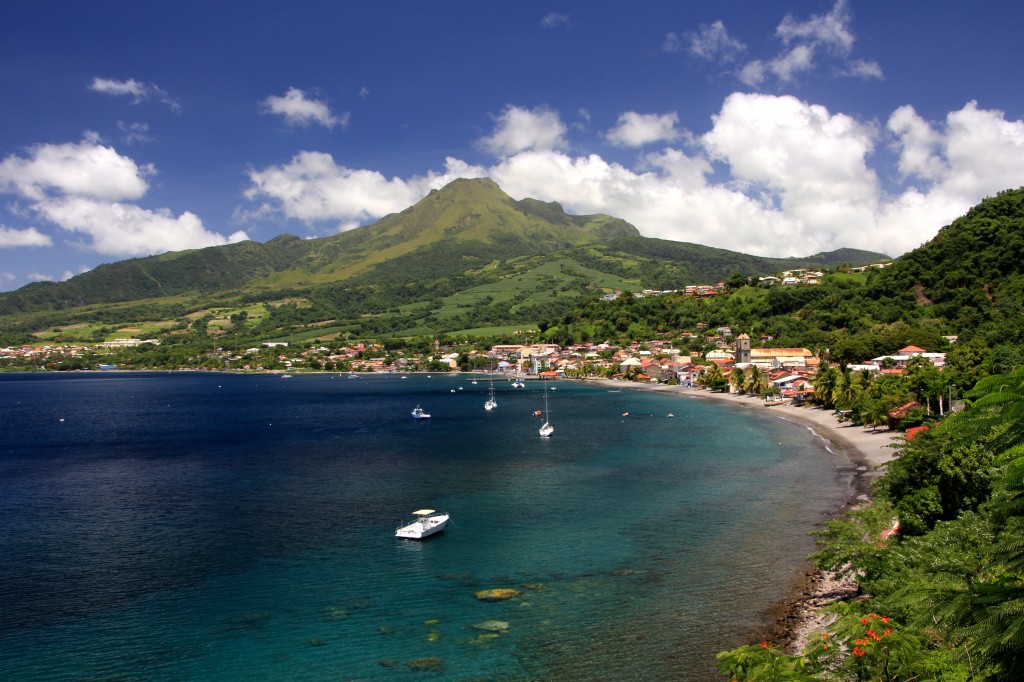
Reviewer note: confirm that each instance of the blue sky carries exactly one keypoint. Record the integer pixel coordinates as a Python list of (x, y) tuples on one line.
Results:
[(780, 129)]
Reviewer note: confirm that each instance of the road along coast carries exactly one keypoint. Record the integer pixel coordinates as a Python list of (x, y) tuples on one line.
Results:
[(800, 616)]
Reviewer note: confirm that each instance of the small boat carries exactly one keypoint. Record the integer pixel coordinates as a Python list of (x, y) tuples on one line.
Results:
[(670, 414), (418, 413), (427, 523), (286, 376), (547, 429), (491, 403)]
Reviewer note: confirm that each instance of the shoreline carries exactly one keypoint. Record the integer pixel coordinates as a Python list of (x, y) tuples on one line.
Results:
[(790, 621)]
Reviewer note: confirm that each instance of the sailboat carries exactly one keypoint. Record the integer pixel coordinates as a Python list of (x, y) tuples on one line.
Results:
[(547, 429), (491, 402)]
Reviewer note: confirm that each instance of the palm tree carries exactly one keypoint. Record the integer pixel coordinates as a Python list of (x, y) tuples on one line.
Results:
[(757, 381), (847, 389), (824, 384), (712, 375), (737, 379)]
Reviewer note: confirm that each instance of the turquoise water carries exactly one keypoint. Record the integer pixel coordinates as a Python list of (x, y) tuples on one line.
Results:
[(239, 527)]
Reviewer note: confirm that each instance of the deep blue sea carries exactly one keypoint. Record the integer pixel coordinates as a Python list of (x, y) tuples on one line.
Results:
[(195, 526)]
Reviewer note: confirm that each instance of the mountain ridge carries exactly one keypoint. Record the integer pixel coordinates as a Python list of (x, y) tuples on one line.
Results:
[(465, 235)]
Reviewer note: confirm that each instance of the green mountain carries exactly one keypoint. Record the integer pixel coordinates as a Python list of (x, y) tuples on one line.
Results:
[(465, 256)]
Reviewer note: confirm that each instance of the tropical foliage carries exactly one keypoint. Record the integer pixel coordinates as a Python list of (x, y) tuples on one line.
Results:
[(950, 583)]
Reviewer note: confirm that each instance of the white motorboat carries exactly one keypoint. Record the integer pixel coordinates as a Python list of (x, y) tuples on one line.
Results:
[(427, 523), (418, 413)]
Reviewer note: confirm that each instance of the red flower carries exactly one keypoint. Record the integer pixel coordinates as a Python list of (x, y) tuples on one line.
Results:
[(888, 631), (764, 644), (863, 621)]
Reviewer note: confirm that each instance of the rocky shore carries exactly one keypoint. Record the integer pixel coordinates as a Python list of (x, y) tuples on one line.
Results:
[(796, 618)]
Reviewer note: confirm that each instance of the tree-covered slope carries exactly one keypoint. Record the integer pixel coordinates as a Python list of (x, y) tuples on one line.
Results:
[(967, 282)]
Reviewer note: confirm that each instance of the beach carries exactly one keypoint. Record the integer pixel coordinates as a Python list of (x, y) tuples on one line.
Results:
[(796, 618)]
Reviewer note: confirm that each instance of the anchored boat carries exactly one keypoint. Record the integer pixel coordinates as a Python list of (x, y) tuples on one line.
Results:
[(427, 523)]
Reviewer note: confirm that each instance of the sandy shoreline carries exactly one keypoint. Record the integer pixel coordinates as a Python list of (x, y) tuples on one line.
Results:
[(796, 618)]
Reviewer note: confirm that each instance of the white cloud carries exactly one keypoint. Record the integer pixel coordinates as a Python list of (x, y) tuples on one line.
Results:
[(312, 188), (805, 41), (831, 30), (300, 110), (38, 277), (520, 129), (555, 20), (30, 236), (672, 43), (792, 179), (637, 130), (790, 64), (134, 132), (976, 153), (87, 168), (753, 73), (713, 43), (138, 91), (129, 230), (81, 187), (860, 68)]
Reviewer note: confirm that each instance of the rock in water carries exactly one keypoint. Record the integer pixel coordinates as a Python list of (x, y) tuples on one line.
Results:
[(492, 626), (497, 594)]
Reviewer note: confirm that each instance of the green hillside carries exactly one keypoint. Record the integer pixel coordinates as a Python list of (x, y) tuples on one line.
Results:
[(967, 282), (465, 256)]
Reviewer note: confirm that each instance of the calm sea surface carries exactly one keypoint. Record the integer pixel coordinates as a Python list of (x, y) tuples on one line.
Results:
[(241, 527)]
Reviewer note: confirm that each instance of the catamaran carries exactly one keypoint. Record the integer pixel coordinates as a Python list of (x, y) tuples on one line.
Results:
[(547, 429), (427, 523)]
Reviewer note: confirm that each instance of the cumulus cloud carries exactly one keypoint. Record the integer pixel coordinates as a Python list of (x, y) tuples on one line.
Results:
[(129, 230), (87, 168), (975, 153), (519, 129), (137, 90), (30, 236), (83, 187), (713, 43), (299, 109), (313, 188), (773, 176), (637, 130)]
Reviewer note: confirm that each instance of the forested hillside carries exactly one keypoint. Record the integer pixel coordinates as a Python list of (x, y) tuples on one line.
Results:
[(967, 282)]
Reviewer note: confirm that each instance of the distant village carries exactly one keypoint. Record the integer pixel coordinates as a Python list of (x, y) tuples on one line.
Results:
[(789, 370)]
